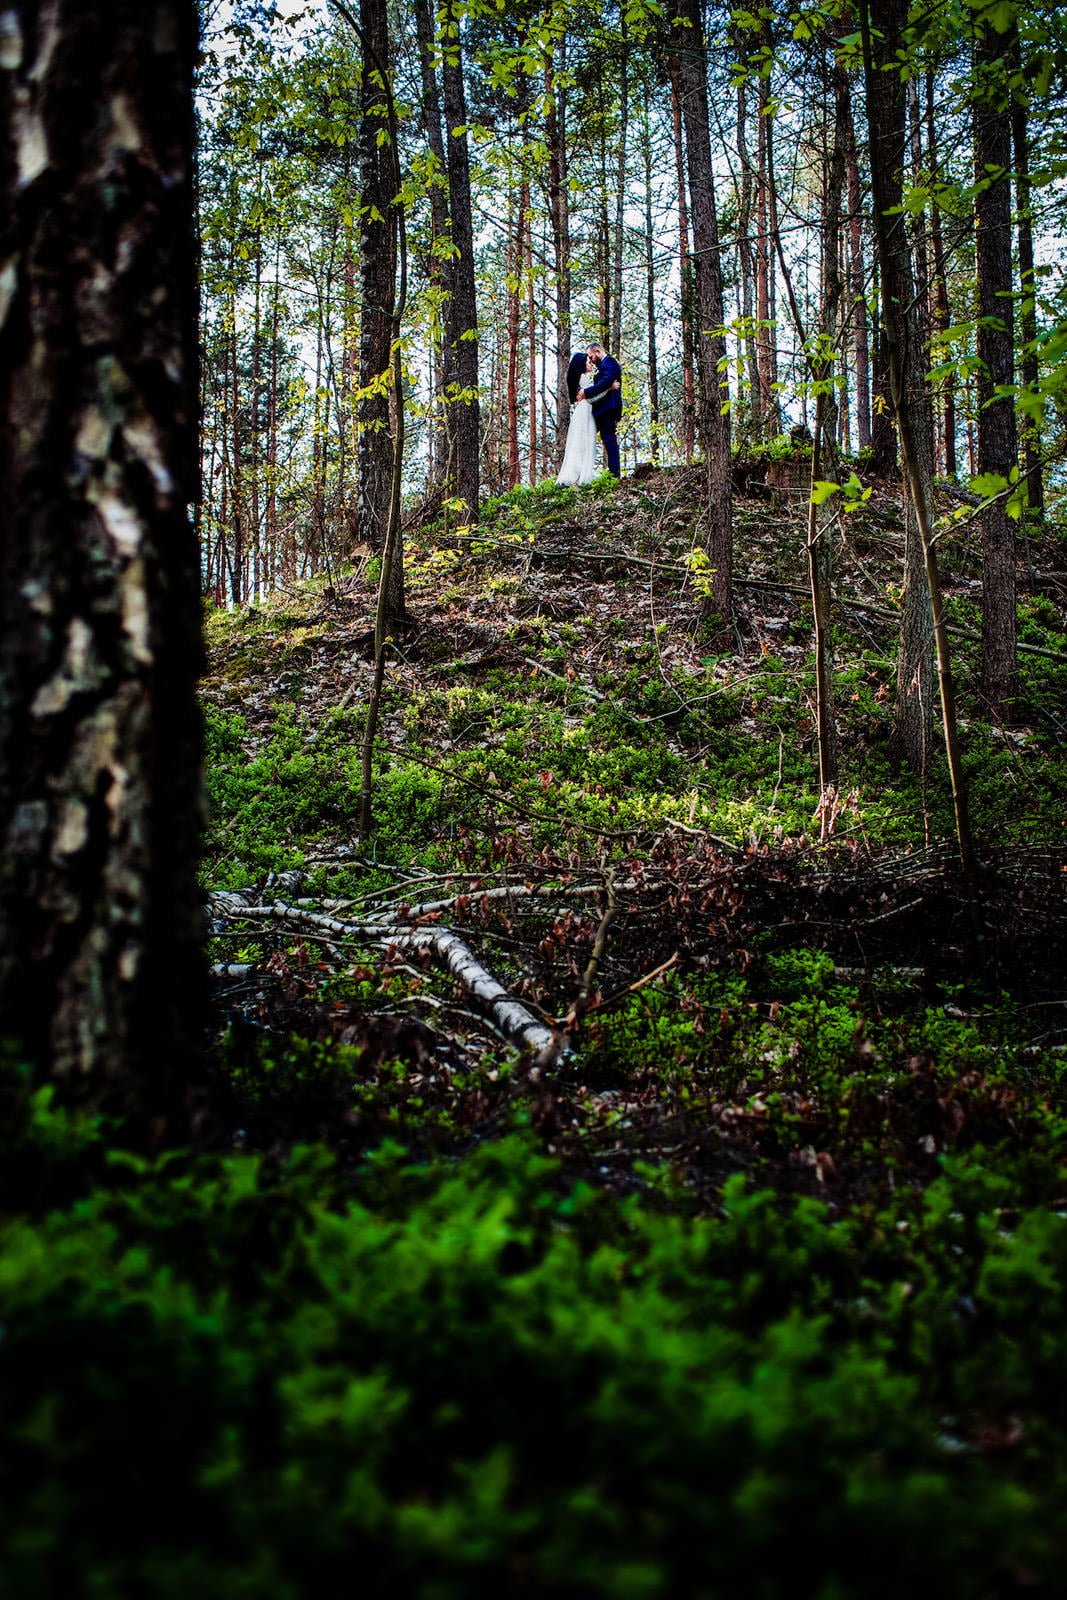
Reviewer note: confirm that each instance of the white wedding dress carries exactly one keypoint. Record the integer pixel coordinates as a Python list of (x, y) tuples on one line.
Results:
[(579, 458)]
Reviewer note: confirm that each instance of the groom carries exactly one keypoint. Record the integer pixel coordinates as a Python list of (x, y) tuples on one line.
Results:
[(604, 394)]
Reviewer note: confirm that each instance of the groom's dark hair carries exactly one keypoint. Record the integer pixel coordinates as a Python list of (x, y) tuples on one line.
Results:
[(574, 372)]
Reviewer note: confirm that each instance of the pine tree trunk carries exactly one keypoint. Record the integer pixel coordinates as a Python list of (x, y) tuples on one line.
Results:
[(997, 442), (559, 208), (884, 460), (685, 266), (770, 421), (713, 395), (271, 532), (531, 332), (746, 256), (615, 331), (1029, 370), (101, 974), (819, 548), (941, 315), (650, 287), (378, 265), (511, 400), (902, 336), (237, 501), (914, 415), (440, 267), (463, 321), (858, 275), (253, 430)]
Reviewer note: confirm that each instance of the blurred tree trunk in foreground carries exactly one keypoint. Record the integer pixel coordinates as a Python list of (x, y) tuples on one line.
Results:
[(101, 978)]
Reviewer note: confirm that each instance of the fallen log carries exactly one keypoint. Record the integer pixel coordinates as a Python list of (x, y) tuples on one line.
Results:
[(515, 1021)]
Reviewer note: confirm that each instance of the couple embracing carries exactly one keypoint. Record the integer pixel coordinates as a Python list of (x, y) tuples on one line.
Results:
[(594, 381)]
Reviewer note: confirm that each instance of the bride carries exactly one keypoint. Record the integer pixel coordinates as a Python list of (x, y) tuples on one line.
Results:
[(579, 465)]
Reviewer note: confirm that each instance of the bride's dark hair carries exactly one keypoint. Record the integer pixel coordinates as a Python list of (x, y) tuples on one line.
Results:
[(574, 372)]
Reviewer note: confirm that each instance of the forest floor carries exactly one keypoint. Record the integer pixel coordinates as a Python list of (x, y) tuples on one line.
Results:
[(619, 1175), (624, 830)]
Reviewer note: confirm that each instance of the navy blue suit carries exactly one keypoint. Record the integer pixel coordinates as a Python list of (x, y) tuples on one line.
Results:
[(607, 408)]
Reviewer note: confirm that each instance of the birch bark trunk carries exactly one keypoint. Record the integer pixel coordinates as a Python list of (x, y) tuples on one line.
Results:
[(101, 978)]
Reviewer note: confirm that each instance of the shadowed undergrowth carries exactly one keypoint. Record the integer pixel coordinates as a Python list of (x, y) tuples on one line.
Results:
[(757, 1288)]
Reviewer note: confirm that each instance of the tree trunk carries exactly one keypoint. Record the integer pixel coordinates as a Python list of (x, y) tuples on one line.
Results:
[(911, 401), (101, 974), (819, 549), (746, 254), (941, 315), (713, 395), (997, 442), (650, 285), (253, 428), (615, 331), (237, 506), (1029, 370), (684, 265), (377, 247), (860, 336), (513, 249), (440, 265), (559, 208), (271, 532), (902, 333), (531, 332), (462, 327), (884, 460), (770, 421)]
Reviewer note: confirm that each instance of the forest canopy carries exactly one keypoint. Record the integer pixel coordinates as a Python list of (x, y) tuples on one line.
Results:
[(582, 224)]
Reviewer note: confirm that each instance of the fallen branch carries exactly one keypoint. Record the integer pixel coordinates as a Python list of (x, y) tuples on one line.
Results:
[(514, 1020)]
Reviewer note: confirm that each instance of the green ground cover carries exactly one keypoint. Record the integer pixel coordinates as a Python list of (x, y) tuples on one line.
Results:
[(758, 1290)]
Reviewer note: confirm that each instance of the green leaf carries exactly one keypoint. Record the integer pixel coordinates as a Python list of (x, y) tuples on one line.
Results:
[(988, 484), (822, 489)]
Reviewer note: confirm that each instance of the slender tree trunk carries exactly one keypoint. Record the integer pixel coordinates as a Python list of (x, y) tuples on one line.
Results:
[(559, 208), (604, 275), (441, 276), (819, 548), (377, 249), (253, 429), (463, 329), (858, 275), (513, 284), (615, 331), (650, 286), (902, 335), (684, 265), (271, 532), (920, 252), (101, 976), (770, 420), (711, 344), (746, 255), (548, 442), (997, 442), (317, 536), (207, 522), (1028, 362), (941, 315), (886, 117), (237, 495), (531, 317)]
